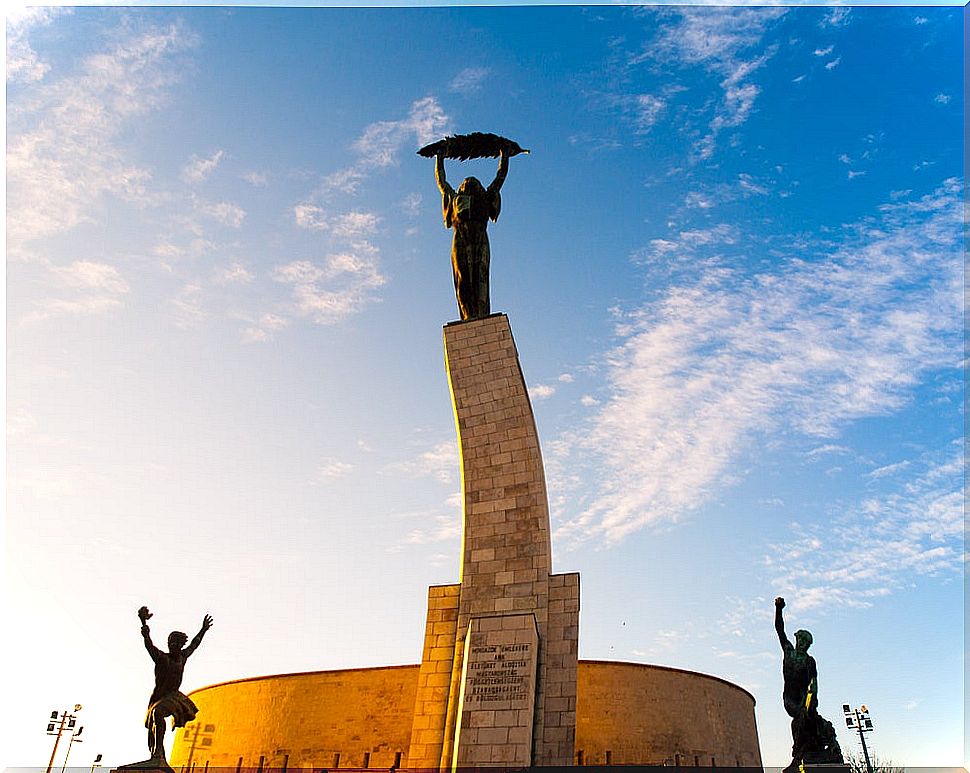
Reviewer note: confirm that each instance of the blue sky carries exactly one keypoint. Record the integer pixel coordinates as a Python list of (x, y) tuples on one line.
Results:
[(733, 264)]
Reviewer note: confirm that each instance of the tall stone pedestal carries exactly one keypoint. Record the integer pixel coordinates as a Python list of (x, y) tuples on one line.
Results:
[(497, 685)]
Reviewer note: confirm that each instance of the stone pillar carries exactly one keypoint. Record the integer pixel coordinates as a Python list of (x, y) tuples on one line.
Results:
[(508, 602)]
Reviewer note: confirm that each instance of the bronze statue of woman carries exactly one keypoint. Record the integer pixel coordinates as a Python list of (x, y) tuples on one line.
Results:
[(467, 211)]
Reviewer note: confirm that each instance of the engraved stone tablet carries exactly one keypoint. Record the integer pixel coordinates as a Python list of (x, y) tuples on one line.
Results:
[(498, 691)]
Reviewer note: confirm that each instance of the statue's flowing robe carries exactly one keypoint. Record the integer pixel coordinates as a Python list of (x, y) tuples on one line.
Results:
[(467, 211)]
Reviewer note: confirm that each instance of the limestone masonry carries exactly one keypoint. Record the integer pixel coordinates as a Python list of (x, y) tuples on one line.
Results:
[(499, 677)]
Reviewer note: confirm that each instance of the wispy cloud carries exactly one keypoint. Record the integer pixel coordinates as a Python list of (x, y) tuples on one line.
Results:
[(199, 169), (23, 63), (541, 391), (726, 43), (380, 144), (881, 544), (469, 80), (235, 273), (84, 287), (263, 328), (439, 462), (808, 347), (330, 469), (188, 306), (691, 248), (839, 16), (353, 225), (62, 154), (224, 212), (442, 528), (340, 285), (90, 275)]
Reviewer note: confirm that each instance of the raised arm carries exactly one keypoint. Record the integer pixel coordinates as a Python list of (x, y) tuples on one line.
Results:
[(143, 615), (503, 170), (439, 175), (780, 624), (197, 639)]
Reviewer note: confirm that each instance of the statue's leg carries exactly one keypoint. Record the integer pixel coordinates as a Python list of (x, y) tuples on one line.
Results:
[(156, 736), (481, 288), (459, 268)]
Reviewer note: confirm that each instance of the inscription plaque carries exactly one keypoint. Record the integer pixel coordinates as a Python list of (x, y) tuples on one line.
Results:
[(498, 691)]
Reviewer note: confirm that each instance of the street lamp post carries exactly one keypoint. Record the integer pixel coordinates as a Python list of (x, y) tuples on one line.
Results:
[(75, 738), (858, 719), (56, 727)]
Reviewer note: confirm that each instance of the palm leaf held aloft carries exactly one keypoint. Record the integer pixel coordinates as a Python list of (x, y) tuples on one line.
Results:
[(474, 145)]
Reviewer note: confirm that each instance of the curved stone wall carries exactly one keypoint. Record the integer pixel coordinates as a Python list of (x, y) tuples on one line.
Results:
[(632, 712), (629, 713)]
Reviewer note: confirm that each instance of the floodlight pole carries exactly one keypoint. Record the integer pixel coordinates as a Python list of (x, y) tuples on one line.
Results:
[(57, 740), (862, 738), (65, 717), (70, 742)]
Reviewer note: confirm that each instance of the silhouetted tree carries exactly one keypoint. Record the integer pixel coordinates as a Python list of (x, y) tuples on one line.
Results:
[(858, 764)]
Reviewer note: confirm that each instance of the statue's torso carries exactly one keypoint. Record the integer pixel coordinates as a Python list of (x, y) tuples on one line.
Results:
[(168, 675)]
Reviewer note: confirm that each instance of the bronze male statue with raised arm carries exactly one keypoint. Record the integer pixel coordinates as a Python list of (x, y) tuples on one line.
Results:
[(813, 737), (166, 699)]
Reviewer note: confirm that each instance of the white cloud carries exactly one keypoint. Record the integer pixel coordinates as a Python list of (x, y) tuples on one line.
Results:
[(824, 51), (942, 99), (262, 330), (58, 307), (330, 469), (680, 250), (541, 391), (566, 378), (89, 275), (469, 80), (353, 225), (96, 287), (412, 204), (889, 469), (828, 448), (310, 216), (341, 286), (199, 169), (647, 110), (879, 545), (257, 179), (62, 154), (236, 274), (440, 463), (23, 64), (834, 63), (381, 142), (722, 42), (224, 212), (748, 185), (187, 306), (807, 347), (838, 16), (589, 401), (444, 528)]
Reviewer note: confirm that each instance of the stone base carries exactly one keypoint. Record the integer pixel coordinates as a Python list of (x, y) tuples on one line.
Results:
[(160, 766)]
